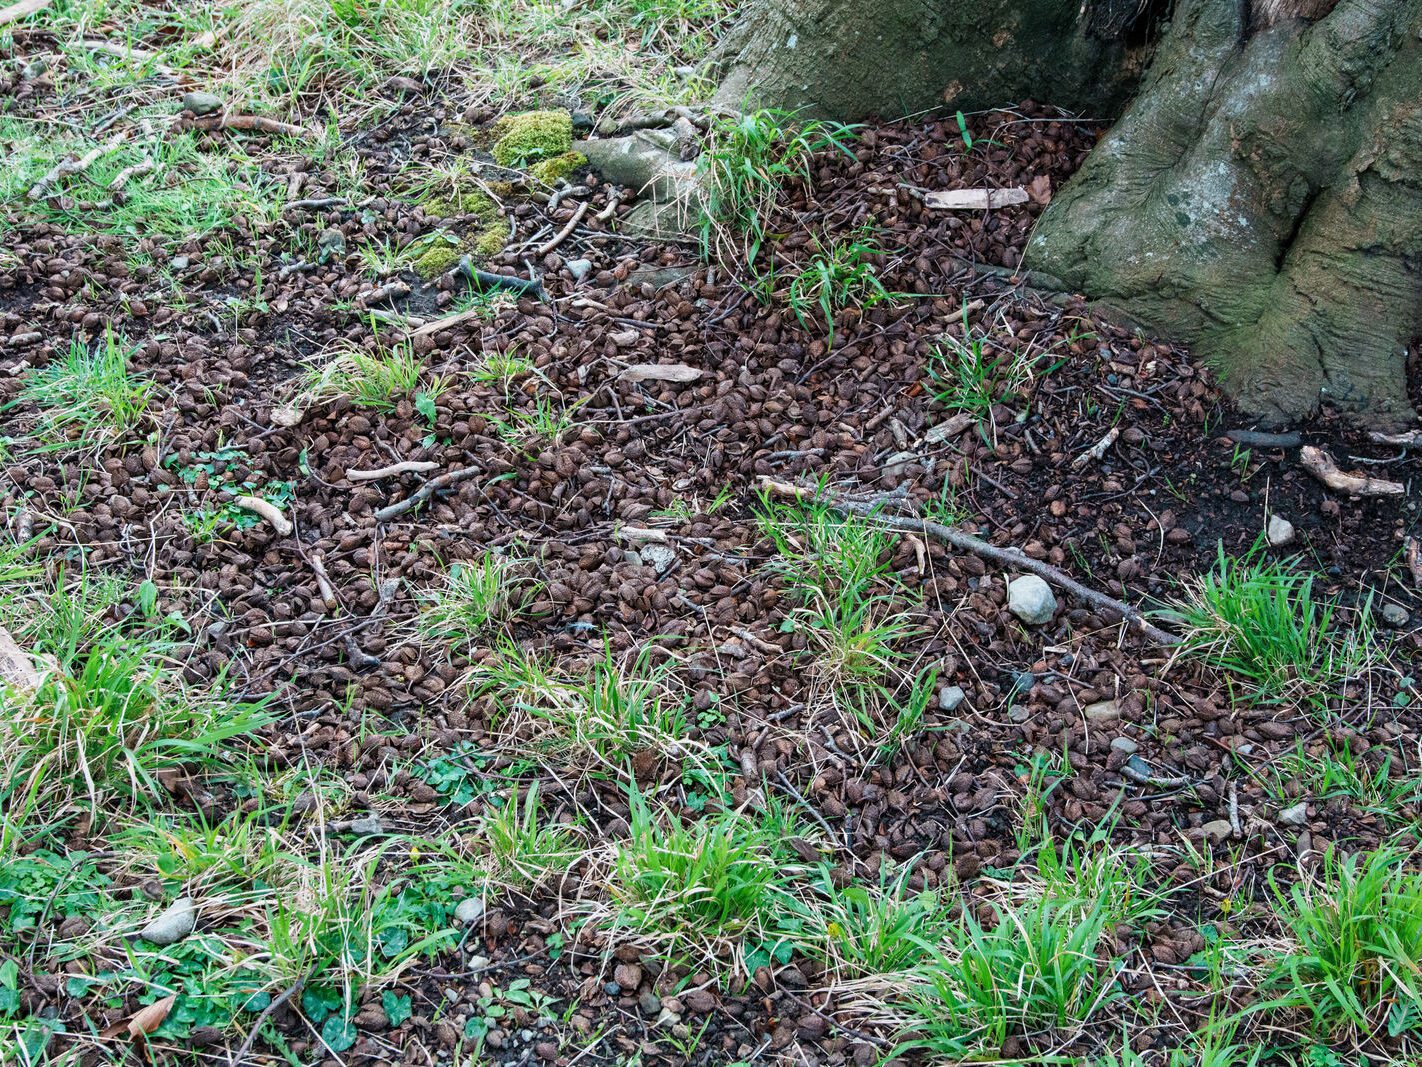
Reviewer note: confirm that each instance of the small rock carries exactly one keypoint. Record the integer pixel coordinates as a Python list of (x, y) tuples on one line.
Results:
[(1018, 713), (478, 963), (181, 262), (1280, 531), (332, 242), (174, 924), (1216, 831), (1031, 599), (1294, 816), (897, 465), (1126, 745), (612, 989), (660, 558), (35, 68), (650, 1004), (1022, 682), (700, 1001), (579, 268), (1102, 711), (950, 697), (667, 1018), (1395, 615), (201, 103), (367, 826), (469, 910)]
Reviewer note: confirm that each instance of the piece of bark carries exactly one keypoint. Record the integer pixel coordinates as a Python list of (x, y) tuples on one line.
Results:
[(952, 428), (659, 372), (1321, 465), (974, 199)]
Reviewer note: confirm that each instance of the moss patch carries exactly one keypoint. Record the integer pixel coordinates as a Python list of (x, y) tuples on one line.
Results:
[(486, 239), (439, 258), (531, 137), (560, 166)]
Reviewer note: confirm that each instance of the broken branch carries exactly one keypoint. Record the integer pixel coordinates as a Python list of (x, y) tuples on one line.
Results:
[(424, 492), (1007, 557), (15, 12), (406, 466), (974, 199), (569, 227), (267, 510)]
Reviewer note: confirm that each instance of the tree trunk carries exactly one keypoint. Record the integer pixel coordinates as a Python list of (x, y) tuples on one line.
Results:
[(849, 59), (1260, 199)]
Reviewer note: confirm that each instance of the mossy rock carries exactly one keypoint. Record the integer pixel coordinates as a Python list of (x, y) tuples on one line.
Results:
[(531, 137), (560, 166)]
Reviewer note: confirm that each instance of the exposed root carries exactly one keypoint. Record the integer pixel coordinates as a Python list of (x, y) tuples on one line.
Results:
[(1321, 465), (406, 466), (424, 492), (268, 511)]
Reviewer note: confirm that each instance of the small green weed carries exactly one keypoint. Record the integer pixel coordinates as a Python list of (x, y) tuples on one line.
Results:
[(746, 161), (88, 397), (842, 275), (1260, 621), (474, 597)]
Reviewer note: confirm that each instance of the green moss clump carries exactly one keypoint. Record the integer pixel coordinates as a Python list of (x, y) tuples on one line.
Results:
[(550, 170), (475, 202), (532, 136), (440, 257)]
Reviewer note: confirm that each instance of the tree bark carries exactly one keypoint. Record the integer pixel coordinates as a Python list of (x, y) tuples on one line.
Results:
[(1260, 199), (850, 59)]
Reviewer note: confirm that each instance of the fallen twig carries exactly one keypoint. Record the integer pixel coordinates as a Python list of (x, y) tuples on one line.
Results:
[(388, 291), (1158, 781), (1411, 439), (323, 582), (424, 492), (1320, 464), (446, 323), (315, 203), (15, 12), (1412, 554), (1007, 557), (568, 227), (267, 510), (1259, 439), (612, 202), (43, 187), (275, 1003), (124, 176), (1096, 451), (405, 466), (250, 123)]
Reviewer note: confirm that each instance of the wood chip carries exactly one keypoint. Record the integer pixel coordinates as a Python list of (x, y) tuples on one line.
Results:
[(974, 199), (659, 372), (952, 428), (1321, 465), (1096, 451)]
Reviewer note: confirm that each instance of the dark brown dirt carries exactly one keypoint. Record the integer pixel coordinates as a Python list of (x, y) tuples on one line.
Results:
[(774, 400)]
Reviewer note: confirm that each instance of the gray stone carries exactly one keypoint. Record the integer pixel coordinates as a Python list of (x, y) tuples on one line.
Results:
[(650, 1003), (1102, 711), (469, 910), (579, 268), (950, 697), (1031, 599), (1126, 745), (174, 924), (660, 558), (201, 103), (367, 826), (181, 262), (1280, 531), (897, 465), (1294, 816), (1395, 615), (1216, 831)]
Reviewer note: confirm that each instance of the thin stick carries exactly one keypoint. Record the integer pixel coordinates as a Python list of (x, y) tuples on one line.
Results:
[(424, 492), (569, 227), (276, 1002), (41, 188), (405, 466), (1007, 557), (251, 123)]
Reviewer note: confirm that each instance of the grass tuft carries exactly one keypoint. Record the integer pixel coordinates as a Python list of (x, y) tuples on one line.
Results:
[(88, 397)]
